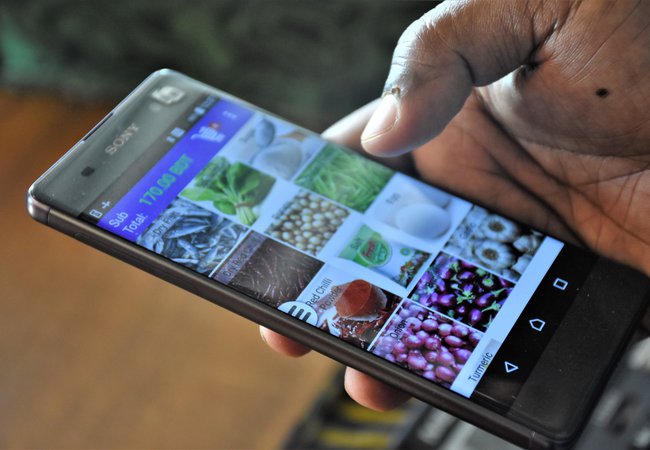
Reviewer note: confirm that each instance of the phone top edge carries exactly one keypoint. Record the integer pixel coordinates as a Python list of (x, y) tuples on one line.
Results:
[(37, 210), (42, 189), (33, 189)]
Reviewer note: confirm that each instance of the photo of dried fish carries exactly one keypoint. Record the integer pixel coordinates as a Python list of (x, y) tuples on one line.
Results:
[(267, 270), (192, 236)]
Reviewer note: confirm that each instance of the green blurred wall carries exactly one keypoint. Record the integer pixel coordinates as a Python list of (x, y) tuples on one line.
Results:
[(310, 61)]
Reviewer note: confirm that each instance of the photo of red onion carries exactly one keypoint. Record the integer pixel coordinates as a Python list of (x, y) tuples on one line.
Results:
[(426, 343), (462, 291)]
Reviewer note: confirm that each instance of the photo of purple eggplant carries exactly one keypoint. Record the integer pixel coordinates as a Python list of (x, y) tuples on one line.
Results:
[(462, 291), (427, 343)]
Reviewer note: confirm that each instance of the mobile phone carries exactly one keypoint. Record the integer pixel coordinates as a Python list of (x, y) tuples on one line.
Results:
[(484, 317)]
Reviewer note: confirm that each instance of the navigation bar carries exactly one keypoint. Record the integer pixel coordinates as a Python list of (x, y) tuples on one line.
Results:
[(516, 359)]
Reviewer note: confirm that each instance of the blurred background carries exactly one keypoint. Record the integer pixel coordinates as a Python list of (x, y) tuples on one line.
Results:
[(97, 354), (94, 353)]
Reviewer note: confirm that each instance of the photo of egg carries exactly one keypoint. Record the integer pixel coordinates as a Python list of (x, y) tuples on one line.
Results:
[(416, 213)]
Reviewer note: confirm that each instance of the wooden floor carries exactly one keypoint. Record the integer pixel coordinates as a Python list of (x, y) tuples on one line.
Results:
[(95, 353)]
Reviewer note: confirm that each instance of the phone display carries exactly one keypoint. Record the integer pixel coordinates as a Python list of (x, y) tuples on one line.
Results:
[(383, 261), (451, 292)]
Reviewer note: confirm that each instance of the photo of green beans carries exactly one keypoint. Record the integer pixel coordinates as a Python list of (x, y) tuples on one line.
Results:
[(345, 177)]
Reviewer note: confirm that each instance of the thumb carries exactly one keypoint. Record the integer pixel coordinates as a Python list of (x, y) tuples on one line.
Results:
[(441, 56)]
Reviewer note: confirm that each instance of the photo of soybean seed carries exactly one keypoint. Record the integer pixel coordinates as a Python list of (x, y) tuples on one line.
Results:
[(307, 222)]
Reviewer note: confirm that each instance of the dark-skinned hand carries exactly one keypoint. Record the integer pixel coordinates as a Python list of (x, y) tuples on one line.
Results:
[(538, 109)]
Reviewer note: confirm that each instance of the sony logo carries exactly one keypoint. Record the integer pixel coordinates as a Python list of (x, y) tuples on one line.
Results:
[(122, 139)]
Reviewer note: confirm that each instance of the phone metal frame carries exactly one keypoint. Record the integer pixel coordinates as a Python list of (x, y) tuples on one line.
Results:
[(481, 416)]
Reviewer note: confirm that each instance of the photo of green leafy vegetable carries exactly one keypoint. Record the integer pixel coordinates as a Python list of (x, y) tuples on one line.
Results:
[(345, 177), (233, 188)]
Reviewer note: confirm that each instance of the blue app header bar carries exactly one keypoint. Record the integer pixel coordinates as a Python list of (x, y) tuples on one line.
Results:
[(149, 197)]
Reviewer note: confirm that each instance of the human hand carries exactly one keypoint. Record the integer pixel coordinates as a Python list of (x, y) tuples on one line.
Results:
[(537, 109)]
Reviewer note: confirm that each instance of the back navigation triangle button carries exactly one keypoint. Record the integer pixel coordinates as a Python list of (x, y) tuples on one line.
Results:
[(510, 367)]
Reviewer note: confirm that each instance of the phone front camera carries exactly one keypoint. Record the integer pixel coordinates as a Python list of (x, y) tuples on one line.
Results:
[(87, 171)]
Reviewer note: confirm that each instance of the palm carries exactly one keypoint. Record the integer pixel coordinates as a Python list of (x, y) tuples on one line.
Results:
[(566, 184), (562, 144)]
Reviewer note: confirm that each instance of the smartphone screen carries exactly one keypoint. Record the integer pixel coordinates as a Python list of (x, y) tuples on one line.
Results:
[(444, 289)]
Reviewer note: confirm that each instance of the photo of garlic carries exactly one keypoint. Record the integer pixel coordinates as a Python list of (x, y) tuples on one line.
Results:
[(499, 228), (273, 146), (494, 255), (494, 243)]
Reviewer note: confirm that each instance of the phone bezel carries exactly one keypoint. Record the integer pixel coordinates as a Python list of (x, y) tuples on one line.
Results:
[(507, 427)]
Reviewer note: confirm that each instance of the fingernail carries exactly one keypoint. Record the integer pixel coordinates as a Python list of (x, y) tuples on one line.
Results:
[(383, 119)]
